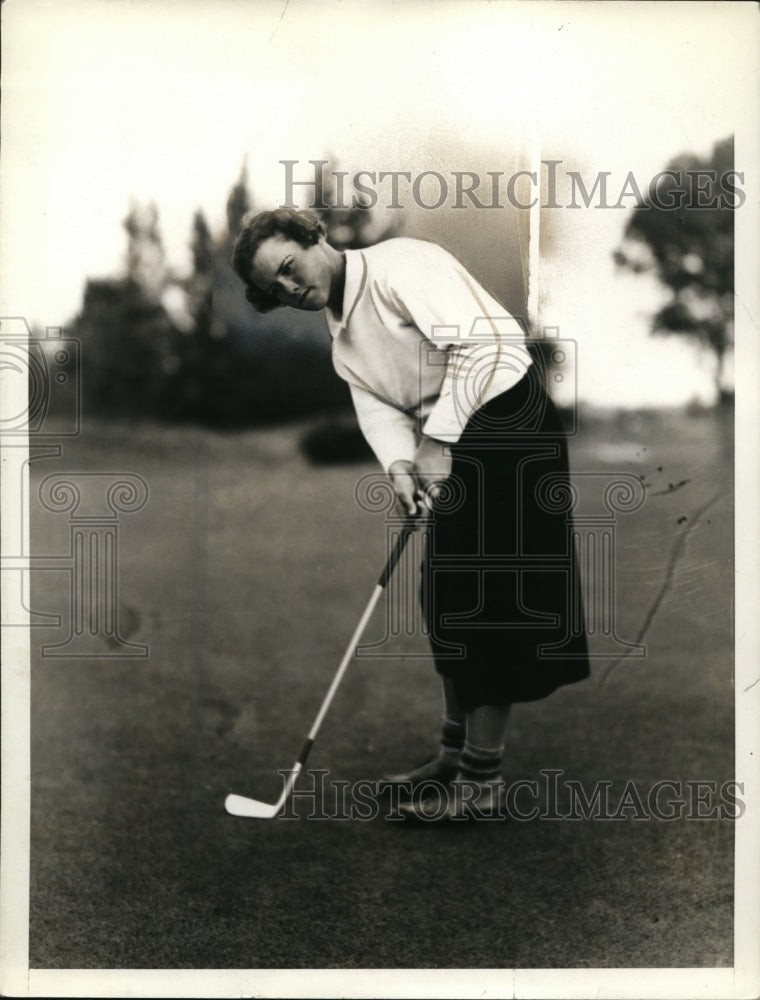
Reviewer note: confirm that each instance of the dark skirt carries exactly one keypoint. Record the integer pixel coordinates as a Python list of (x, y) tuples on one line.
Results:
[(500, 584)]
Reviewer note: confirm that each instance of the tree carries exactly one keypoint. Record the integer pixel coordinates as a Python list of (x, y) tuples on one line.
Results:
[(238, 204), (129, 341), (146, 262), (195, 347), (190, 347), (690, 247), (129, 350), (202, 246)]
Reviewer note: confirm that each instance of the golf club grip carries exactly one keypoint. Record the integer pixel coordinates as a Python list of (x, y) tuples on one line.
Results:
[(305, 750), (395, 555)]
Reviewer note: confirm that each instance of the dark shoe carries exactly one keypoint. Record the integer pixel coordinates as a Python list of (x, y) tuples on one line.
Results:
[(437, 770), (462, 799)]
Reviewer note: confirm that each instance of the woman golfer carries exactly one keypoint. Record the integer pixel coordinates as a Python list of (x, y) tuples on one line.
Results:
[(447, 397)]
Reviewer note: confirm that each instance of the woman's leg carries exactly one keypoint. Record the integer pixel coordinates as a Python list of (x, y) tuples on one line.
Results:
[(454, 724), (483, 750), (477, 790), (445, 764), (486, 724)]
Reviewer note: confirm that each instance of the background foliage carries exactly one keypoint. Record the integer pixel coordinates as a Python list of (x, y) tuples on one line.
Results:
[(158, 344), (691, 249)]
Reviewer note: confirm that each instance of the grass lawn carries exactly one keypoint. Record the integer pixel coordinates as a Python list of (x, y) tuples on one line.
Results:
[(245, 574)]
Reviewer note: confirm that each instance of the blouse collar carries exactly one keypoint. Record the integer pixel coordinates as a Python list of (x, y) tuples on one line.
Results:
[(356, 279)]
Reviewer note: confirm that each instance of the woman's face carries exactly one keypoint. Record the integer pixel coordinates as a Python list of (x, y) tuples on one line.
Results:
[(296, 276)]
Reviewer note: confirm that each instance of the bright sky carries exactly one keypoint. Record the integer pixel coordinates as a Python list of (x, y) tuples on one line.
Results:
[(105, 100)]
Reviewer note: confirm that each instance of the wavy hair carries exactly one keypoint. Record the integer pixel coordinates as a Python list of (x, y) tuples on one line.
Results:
[(301, 225)]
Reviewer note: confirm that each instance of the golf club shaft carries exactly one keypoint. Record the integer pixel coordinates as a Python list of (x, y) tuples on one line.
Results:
[(398, 548), (237, 805)]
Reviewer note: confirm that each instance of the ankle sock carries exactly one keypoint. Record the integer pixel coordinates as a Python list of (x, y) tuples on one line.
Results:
[(481, 763), (452, 739)]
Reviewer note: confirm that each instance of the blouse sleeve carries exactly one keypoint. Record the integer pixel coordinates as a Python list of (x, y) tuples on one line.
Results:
[(390, 432), (485, 352)]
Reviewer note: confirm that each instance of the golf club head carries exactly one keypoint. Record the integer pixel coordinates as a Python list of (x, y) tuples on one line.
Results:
[(238, 805)]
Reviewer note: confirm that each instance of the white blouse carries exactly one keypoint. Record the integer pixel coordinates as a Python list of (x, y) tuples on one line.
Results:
[(421, 344)]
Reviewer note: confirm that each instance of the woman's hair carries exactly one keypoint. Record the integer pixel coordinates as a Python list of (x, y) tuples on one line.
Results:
[(302, 226)]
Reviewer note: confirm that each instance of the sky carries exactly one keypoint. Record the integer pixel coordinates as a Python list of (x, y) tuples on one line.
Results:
[(111, 100)]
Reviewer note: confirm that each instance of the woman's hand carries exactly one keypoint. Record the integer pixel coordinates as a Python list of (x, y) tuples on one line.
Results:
[(414, 483), (432, 465), (405, 487)]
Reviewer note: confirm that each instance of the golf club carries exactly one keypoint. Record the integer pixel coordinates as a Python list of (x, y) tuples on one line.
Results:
[(238, 805)]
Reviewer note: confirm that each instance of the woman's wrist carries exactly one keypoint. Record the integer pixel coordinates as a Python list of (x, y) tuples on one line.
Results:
[(401, 467)]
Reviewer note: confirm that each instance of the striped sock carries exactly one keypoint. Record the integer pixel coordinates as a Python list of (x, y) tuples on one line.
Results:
[(452, 739), (481, 763)]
